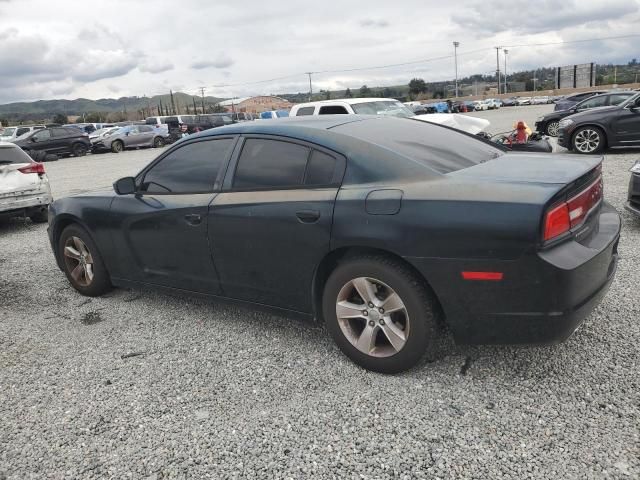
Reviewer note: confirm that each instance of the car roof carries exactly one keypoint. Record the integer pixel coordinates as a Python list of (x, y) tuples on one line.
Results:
[(349, 101)]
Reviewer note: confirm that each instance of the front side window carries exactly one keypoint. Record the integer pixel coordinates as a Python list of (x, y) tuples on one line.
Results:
[(42, 135), (270, 164), (333, 110), (145, 129), (192, 168)]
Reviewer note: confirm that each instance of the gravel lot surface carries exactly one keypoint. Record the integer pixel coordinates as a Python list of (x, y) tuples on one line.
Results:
[(144, 385)]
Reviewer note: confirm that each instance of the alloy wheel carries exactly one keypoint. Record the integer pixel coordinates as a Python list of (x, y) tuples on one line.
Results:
[(78, 261), (587, 140), (552, 129), (373, 317)]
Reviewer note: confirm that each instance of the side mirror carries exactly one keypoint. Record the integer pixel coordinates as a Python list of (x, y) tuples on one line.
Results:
[(125, 186)]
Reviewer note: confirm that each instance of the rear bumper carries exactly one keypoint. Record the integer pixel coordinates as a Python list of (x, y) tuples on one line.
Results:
[(31, 201), (543, 297)]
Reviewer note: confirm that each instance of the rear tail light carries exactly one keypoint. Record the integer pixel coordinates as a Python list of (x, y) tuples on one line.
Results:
[(572, 212), (34, 167)]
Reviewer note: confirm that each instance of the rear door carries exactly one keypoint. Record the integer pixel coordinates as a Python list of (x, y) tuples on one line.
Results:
[(160, 232), (146, 135), (42, 140), (626, 126), (271, 225)]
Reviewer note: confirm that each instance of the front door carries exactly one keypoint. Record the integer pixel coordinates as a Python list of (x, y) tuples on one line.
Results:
[(271, 226), (160, 233), (626, 127)]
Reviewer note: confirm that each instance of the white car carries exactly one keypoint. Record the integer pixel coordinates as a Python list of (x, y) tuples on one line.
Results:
[(480, 105), (523, 101), (10, 134), (542, 100), (24, 186), (390, 107)]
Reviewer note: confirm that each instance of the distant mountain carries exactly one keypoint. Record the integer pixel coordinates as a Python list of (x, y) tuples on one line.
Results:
[(44, 110)]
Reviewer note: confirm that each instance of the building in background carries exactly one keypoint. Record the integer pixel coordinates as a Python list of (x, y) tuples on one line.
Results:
[(256, 104)]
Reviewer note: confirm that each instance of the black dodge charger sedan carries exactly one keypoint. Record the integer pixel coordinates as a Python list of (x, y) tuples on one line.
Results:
[(385, 228)]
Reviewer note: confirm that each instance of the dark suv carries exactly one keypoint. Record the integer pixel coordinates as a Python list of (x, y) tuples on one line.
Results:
[(58, 141), (596, 129), (569, 101)]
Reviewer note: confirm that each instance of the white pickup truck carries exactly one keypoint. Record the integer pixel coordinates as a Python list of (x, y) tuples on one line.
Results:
[(387, 106)]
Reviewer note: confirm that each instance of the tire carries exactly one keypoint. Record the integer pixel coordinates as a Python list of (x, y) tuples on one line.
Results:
[(85, 253), (588, 140), (414, 328), (117, 146), (79, 149), (552, 128), (158, 142), (41, 216)]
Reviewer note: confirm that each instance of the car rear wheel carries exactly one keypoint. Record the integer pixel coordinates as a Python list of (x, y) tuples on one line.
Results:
[(380, 313), (552, 128), (588, 140), (117, 146), (79, 150), (158, 142), (82, 262)]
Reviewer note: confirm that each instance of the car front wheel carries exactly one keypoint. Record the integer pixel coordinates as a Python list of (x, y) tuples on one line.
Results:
[(552, 128), (82, 262), (379, 313), (588, 140)]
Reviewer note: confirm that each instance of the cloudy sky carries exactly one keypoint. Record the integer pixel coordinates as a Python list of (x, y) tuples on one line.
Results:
[(114, 48)]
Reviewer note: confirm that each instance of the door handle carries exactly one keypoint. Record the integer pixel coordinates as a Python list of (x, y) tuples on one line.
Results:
[(193, 219), (308, 216)]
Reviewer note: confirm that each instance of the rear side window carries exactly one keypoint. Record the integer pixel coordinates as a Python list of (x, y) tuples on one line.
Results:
[(593, 102), (270, 163), (333, 110), (321, 169), (22, 131), (61, 132), (305, 111), (192, 168), (619, 98), (145, 129)]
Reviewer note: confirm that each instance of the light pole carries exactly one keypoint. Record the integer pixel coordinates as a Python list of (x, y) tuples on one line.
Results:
[(310, 87), (455, 61), (498, 66), (506, 89)]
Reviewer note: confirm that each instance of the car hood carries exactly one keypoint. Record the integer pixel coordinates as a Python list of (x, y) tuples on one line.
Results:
[(465, 123), (542, 168)]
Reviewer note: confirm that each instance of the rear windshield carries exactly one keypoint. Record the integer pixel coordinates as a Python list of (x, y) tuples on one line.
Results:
[(13, 155), (7, 132), (442, 149)]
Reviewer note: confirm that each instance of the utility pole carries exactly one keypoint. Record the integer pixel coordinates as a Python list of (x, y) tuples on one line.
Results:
[(455, 61), (498, 66), (310, 87), (615, 74), (173, 105), (202, 90), (195, 108), (506, 89)]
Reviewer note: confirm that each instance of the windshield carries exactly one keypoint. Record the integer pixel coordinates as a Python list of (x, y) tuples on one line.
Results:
[(393, 109), (630, 101), (8, 132)]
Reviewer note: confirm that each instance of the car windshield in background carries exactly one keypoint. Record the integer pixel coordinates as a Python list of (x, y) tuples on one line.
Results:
[(630, 100), (393, 109), (439, 148), (7, 132)]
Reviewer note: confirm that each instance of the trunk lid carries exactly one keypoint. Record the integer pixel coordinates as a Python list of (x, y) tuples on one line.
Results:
[(558, 169)]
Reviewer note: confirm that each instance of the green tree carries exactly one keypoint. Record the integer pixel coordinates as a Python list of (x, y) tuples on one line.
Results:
[(60, 118), (348, 93), (217, 108), (327, 95), (4, 122), (365, 91), (417, 85)]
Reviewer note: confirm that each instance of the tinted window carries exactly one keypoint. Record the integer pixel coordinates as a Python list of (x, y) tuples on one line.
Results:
[(305, 111), (41, 135), (593, 102), (618, 98), (151, 121), (61, 132), (22, 131), (188, 169), (270, 163), (171, 119), (333, 110), (441, 149), (320, 169)]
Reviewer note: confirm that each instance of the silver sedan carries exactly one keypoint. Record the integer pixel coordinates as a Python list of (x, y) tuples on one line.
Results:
[(118, 138)]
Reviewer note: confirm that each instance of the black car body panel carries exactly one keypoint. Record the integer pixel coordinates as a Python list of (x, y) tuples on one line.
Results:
[(620, 124), (633, 200), (569, 101), (468, 206)]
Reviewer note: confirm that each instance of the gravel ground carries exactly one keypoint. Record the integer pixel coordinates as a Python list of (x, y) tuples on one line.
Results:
[(143, 385)]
